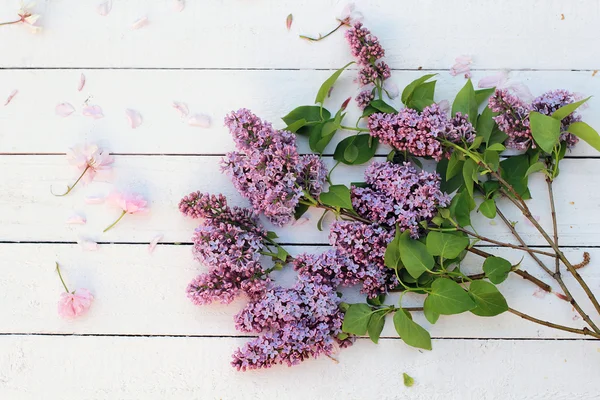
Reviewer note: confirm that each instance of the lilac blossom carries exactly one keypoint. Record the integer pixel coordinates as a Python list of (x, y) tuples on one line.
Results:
[(364, 98), (551, 101), (266, 168)]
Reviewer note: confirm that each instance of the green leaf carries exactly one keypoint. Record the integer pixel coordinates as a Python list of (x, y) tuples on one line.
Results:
[(466, 102), (366, 145), (408, 380), (320, 221), (300, 210), (376, 324), (422, 96), (368, 111), (482, 95), (446, 245), (488, 208), (485, 124), (448, 297), (410, 332), (476, 143), (545, 130), (382, 106), (490, 302), (448, 185), (414, 255), (391, 257), (271, 235), (356, 319), (328, 84), (497, 147), (408, 90), (430, 314), (470, 175), (497, 136), (293, 127), (496, 269), (514, 171), (282, 254), (351, 153), (565, 111), (492, 158), (377, 300), (311, 116), (585, 132), (320, 138), (338, 196), (535, 167), (455, 165), (461, 207)]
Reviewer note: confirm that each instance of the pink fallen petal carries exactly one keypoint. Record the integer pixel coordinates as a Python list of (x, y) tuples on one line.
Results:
[(444, 106), (140, 23), (104, 8), (73, 305), (288, 21), (464, 59), (81, 82), (182, 108), (134, 118), (154, 242), (87, 245), (179, 5), (76, 219), (462, 66), (199, 120), (497, 80), (11, 96), (391, 89), (94, 200), (540, 293), (64, 109), (93, 111), (521, 91)]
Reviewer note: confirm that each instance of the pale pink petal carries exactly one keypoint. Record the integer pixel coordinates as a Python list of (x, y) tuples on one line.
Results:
[(391, 89), (104, 8), (76, 219), (178, 5), (540, 293), (498, 80), (81, 82), (458, 69), (464, 59), (64, 109), (94, 200), (93, 111), (140, 23), (11, 96), (88, 245), (154, 242), (347, 10), (182, 108), (288, 21), (444, 106), (72, 305), (521, 91), (199, 120), (134, 118)]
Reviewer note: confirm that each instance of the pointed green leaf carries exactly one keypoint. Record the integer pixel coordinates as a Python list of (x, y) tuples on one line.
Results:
[(585, 132), (382, 106), (535, 167), (470, 175), (466, 102), (496, 269), (408, 90), (490, 302), (422, 96), (414, 255), (497, 147), (337, 196), (485, 124), (311, 116), (564, 111), (366, 145), (482, 95), (446, 245), (408, 380), (356, 319), (448, 297), (455, 165), (328, 84), (391, 257), (410, 332), (488, 208), (545, 130), (430, 314), (376, 324)]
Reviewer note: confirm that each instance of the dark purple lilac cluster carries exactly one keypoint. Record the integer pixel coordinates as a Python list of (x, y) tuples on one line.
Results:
[(419, 134), (399, 195), (513, 116), (295, 324), (367, 50), (266, 168), (228, 241)]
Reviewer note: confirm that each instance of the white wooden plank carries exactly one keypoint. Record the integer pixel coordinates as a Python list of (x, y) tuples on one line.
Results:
[(237, 33), (198, 368), (29, 123), (30, 212), (130, 285)]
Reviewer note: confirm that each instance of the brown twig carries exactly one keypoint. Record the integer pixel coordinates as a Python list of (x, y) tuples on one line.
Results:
[(585, 331), (554, 223), (512, 246)]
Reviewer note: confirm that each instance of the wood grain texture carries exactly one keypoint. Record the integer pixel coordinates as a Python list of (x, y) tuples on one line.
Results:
[(72, 368), (512, 34), (130, 285), (269, 94)]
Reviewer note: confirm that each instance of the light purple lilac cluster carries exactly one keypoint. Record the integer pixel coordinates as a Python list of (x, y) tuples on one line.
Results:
[(419, 133), (266, 168), (228, 242), (367, 50), (513, 117), (399, 195), (295, 324)]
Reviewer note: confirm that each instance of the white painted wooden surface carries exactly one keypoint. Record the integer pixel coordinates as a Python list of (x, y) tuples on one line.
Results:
[(142, 337)]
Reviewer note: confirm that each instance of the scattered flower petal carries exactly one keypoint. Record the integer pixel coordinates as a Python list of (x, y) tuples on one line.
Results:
[(64, 109), (498, 80), (134, 117), (462, 66), (130, 203), (81, 82), (140, 23), (104, 8), (94, 200), (179, 5), (521, 91), (391, 89), (182, 108), (88, 245), (11, 96), (73, 305), (76, 219), (199, 120), (154, 242), (288, 21), (349, 15), (540, 293), (93, 111)]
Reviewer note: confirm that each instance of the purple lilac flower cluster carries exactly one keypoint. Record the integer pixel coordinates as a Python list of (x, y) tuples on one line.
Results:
[(419, 134), (228, 241), (513, 117), (296, 323), (367, 50), (399, 195), (267, 169)]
